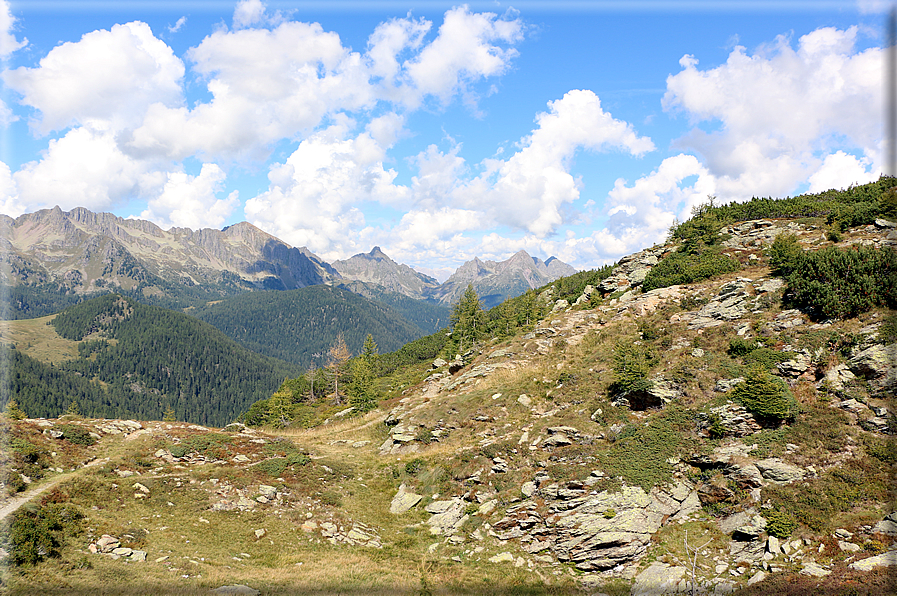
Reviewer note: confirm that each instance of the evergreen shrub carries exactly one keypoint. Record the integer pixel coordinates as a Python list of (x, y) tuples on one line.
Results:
[(766, 396)]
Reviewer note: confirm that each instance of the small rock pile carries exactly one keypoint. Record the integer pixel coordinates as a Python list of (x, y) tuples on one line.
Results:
[(111, 547)]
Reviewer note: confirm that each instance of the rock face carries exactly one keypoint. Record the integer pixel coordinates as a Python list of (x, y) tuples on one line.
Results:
[(593, 532), (878, 364), (660, 578), (631, 271), (732, 302)]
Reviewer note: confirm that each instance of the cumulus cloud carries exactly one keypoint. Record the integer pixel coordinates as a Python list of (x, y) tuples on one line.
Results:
[(266, 85), (248, 13), (314, 196), (778, 108), (9, 199), (191, 202), (8, 41), (110, 76), (468, 47), (84, 168), (840, 170), (532, 186)]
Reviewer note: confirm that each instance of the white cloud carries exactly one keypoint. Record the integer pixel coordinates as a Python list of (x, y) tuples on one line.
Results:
[(266, 85), (840, 170), (465, 49), (8, 41), (7, 116), (191, 201), (248, 13), (9, 200), (533, 185), (314, 196), (779, 108), (177, 26), (84, 168), (110, 76)]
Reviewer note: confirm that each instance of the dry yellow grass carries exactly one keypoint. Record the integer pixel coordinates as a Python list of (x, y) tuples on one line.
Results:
[(38, 339)]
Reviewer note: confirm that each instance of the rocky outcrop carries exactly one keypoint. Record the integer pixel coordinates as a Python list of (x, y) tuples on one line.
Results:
[(732, 302), (593, 531), (403, 501), (631, 271), (878, 364)]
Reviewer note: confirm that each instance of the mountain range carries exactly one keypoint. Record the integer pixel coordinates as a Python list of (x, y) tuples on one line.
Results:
[(56, 257)]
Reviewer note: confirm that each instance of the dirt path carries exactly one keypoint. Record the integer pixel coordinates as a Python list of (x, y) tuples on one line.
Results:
[(13, 505)]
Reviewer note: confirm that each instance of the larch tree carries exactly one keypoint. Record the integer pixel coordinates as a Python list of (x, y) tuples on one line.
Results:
[(339, 355)]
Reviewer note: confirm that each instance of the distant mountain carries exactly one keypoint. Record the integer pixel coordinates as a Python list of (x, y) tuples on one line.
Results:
[(300, 326), (377, 268), (57, 256), (496, 281), (142, 360)]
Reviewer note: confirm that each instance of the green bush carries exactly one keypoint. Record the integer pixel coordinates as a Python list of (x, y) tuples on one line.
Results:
[(273, 467), (414, 466), (842, 283), (766, 396), (632, 365), (36, 533), (738, 346), (76, 434), (784, 253), (684, 268), (780, 524)]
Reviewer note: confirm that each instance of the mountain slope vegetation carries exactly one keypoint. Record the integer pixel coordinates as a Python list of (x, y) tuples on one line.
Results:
[(140, 361), (299, 326)]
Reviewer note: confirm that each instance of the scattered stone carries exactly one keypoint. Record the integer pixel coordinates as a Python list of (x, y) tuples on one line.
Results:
[(504, 557), (888, 559), (269, 492), (525, 401), (778, 471), (887, 526), (403, 501), (260, 533), (236, 589), (757, 577), (107, 543), (814, 570), (660, 578)]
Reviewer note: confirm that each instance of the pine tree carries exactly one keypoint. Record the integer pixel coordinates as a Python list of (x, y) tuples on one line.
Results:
[(362, 396), (280, 407), (169, 415), (468, 320), (14, 412)]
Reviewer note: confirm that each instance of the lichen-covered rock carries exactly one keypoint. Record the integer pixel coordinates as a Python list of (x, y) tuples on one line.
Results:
[(660, 578), (877, 364), (778, 471), (403, 501)]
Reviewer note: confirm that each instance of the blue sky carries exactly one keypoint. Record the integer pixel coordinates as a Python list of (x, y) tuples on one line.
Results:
[(437, 131)]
